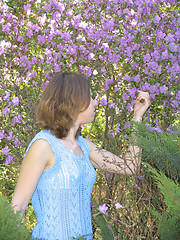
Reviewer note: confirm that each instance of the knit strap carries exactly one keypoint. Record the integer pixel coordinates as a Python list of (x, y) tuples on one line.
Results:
[(51, 139), (83, 144)]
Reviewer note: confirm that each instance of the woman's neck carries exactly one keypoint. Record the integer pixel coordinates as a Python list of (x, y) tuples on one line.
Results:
[(72, 134)]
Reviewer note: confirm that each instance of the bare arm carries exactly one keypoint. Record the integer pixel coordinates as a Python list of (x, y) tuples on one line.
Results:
[(129, 164), (34, 163), (107, 161)]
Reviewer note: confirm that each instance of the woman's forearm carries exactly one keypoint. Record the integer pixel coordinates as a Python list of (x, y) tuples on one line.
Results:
[(133, 154)]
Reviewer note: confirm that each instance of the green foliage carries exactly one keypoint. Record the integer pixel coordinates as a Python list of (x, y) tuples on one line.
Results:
[(7, 187), (10, 223), (104, 223), (169, 222), (105, 229), (161, 149)]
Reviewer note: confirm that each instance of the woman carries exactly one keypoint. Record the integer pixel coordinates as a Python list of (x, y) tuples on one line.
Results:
[(58, 167)]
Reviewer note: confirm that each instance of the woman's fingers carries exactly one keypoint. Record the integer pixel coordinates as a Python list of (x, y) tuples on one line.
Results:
[(143, 97)]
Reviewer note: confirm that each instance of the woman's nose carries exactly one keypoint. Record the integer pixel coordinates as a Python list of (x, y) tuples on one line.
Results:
[(95, 102)]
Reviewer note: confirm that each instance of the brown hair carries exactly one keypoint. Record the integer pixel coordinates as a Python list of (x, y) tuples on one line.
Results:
[(63, 98)]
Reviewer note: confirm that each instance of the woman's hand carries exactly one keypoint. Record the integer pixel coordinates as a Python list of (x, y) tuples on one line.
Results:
[(142, 104)]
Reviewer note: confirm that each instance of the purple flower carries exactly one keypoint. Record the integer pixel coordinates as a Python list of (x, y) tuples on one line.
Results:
[(148, 119), (5, 111), (6, 28), (146, 86), (33, 74), (153, 88), (111, 104), (108, 82), (29, 33), (103, 101), (137, 78), (35, 27), (20, 39), (112, 134), (153, 65), (118, 205), (175, 104), (47, 7), (127, 78), (17, 119), (155, 55), (140, 177), (109, 175), (178, 95), (103, 208), (27, 7), (129, 107), (57, 68), (129, 51), (108, 24), (173, 47), (5, 150), (157, 128), (163, 89), (24, 60), (126, 11), (15, 101), (16, 143), (125, 97), (66, 36), (136, 183), (157, 19), (10, 135), (34, 60), (132, 92), (118, 128), (41, 39), (170, 38), (2, 134), (165, 54), (146, 57), (169, 128), (160, 35), (127, 125), (6, 96), (8, 160)]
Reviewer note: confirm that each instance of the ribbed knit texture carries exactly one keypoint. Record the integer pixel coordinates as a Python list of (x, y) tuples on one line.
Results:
[(62, 197)]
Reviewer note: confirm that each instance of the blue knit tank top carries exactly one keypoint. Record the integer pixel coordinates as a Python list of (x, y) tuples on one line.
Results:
[(61, 200)]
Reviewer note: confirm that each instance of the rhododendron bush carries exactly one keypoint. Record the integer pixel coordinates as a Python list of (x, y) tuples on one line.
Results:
[(121, 46)]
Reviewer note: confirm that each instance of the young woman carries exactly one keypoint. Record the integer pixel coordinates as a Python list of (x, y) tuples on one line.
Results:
[(58, 168)]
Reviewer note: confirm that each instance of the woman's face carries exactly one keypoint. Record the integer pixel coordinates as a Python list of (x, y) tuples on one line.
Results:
[(87, 116)]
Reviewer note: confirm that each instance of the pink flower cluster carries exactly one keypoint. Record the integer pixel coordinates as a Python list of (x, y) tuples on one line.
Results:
[(121, 46)]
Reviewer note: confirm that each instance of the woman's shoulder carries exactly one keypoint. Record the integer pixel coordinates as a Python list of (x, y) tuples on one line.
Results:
[(43, 132), (88, 143), (43, 139)]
